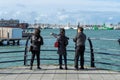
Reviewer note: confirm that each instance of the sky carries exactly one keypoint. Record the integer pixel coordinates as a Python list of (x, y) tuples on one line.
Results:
[(60, 11)]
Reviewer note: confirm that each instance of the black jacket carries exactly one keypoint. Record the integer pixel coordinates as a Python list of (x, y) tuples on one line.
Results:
[(63, 42), (80, 39), (36, 42)]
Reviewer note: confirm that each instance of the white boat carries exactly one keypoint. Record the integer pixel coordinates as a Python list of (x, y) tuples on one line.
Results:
[(74, 27), (66, 27)]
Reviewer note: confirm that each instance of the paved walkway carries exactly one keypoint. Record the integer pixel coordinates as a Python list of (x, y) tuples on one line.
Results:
[(51, 72)]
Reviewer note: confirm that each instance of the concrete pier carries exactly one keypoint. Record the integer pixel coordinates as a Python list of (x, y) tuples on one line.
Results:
[(52, 72)]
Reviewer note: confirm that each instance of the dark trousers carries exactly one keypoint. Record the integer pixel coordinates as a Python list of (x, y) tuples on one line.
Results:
[(60, 60), (37, 53), (79, 53)]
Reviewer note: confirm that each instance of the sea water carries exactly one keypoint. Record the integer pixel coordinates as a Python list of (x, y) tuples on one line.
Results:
[(104, 41)]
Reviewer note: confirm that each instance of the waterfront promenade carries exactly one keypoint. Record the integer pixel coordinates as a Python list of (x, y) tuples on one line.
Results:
[(52, 72)]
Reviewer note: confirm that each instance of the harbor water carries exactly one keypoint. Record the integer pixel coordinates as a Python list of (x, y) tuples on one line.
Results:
[(103, 41)]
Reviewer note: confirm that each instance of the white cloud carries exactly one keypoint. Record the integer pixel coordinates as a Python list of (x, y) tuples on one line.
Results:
[(5, 13), (110, 18), (20, 5), (16, 14), (43, 15), (63, 17), (55, 10), (47, 5)]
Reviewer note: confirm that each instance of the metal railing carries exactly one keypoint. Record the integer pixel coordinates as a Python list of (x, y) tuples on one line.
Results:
[(94, 60), (106, 57)]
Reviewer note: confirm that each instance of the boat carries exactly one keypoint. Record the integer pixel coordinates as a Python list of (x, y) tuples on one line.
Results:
[(74, 27), (103, 27), (117, 27), (95, 27), (66, 27), (106, 28)]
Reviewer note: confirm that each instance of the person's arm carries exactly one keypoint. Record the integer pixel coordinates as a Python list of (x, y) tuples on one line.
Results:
[(42, 41), (55, 35), (30, 47), (30, 39), (66, 41), (75, 39)]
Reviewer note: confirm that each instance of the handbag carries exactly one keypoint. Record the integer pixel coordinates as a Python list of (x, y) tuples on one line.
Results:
[(56, 44)]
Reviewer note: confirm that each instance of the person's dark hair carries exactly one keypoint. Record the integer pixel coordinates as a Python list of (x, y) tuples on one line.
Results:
[(38, 30), (81, 28), (62, 30)]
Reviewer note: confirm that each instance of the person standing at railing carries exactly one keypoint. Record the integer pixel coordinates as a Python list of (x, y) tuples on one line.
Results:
[(62, 44), (80, 48), (36, 42)]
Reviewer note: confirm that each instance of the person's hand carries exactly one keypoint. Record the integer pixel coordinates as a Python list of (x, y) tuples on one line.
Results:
[(51, 33)]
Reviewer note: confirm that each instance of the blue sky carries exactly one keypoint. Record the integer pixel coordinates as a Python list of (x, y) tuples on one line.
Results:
[(44, 5), (61, 10)]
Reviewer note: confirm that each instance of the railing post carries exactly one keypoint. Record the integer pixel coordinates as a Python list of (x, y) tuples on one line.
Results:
[(26, 49), (92, 53)]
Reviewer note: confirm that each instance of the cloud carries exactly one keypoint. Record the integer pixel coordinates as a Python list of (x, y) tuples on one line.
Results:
[(55, 11), (44, 15), (17, 14), (53, 5), (110, 18), (63, 17), (41, 17), (20, 5)]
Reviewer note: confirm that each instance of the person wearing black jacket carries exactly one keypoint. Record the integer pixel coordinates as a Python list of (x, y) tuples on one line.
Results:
[(80, 47), (62, 44), (36, 42)]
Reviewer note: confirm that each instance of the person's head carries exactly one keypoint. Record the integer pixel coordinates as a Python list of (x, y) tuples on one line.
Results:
[(37, 31), (62, 31), (80, 29)]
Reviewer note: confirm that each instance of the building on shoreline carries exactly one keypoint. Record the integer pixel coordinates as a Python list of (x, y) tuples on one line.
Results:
[(16, 24), (9, 23)]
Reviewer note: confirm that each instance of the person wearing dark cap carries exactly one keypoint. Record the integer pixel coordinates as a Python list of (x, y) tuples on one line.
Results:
[(80, 47), (36, 42), (62, 44)]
